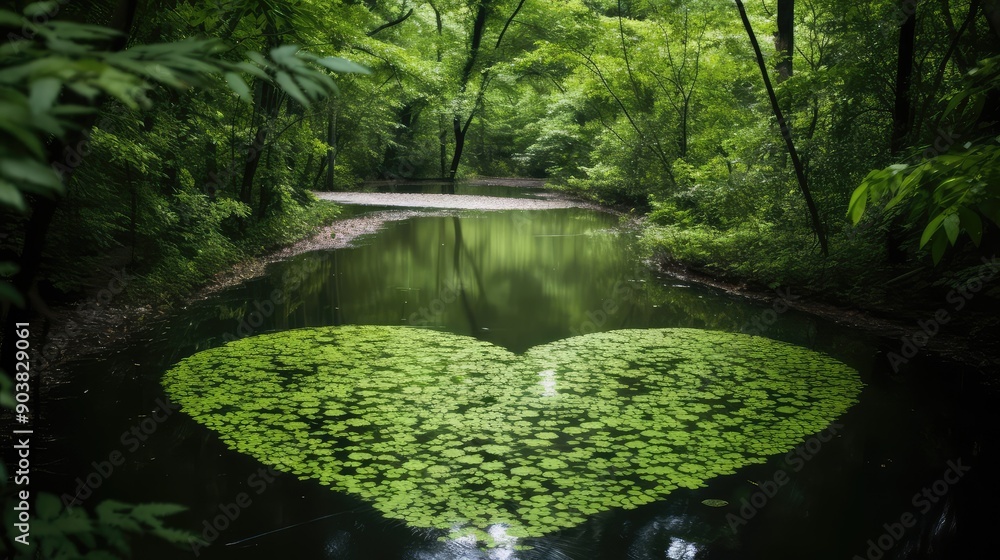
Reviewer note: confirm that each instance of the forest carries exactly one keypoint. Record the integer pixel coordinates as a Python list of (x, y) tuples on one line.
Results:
[(370, 245)]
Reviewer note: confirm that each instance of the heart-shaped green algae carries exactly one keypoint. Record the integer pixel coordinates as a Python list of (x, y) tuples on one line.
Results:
[(446, 431)]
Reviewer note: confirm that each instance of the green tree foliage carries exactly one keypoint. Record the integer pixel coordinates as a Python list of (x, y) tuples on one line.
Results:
[(947, 191), (57, 78)]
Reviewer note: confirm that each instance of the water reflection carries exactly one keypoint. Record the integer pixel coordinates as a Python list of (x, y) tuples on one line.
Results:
[(517, 279), (548, 383)]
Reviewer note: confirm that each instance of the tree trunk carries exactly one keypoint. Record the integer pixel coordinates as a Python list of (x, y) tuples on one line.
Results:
[(478, 28), (266, 191), (456, 158), (683, 141), (991, 11), (268, 100), (442, 120), (901, 117), (800, 175), (331, 150), (443, 144), (784, 41)]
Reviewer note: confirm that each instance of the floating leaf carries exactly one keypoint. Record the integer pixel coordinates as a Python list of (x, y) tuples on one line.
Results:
[(712, 502)]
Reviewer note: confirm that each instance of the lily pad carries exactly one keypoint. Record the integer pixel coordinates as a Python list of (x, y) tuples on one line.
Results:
[(449, 432), (712, 502)]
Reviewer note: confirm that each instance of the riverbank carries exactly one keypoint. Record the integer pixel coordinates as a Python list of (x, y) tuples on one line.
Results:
[(952, 312)]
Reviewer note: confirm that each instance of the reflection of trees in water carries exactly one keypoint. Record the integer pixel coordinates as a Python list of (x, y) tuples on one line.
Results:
[(513, 278), (470, 313)]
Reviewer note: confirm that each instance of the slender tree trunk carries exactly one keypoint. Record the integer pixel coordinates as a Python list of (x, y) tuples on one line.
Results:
[(943, 66), (683, 142), (785, 133), (266, 190), (212, 169), (268, 100), (133, 217), (331, 151), (991, 11), (306, 169), (443, 144), (456, 157), (251, 164), (901, 113), (442, 120), (478, 28), (784, 41)]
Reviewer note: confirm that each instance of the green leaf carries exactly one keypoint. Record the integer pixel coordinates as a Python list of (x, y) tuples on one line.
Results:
[(951, 227), (43, 94), (150, 513), (291, 88), (85, 90), (240, 87), (11, 196), (249, 68), (285, 54), (859, 200), (111, 507), (931, 228), (40, 8), (74, 521), (30, 171), (260, 60), (175, 536), (10, 19), (83, 31)]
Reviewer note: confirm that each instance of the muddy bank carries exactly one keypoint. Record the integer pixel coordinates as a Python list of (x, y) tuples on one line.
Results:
[(70, 331), (970, 338), (338, 235)]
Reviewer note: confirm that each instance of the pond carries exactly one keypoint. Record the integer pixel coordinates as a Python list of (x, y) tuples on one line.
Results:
[(509, 282)]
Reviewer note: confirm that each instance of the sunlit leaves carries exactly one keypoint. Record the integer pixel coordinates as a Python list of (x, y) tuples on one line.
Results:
[(949, 191), (955, 192)]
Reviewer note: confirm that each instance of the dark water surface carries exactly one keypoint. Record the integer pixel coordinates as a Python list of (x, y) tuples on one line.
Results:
[(529, 278)]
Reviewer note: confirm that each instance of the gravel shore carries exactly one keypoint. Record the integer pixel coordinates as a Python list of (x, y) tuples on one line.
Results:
[(451, 201)]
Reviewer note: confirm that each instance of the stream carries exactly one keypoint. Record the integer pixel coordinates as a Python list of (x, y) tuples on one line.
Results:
[(519, 279)]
